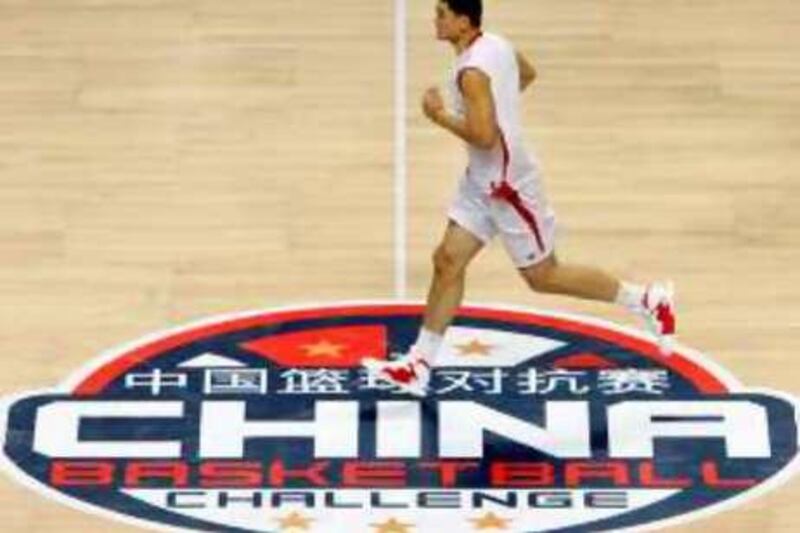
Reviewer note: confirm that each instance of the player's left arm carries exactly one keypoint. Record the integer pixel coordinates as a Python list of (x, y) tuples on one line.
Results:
[(479, 125), (527, 72)]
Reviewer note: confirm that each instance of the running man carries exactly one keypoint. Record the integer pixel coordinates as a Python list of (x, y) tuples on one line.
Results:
[(500, 194)]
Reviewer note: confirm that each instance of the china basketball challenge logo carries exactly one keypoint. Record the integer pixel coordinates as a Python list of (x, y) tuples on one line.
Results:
[(266, 422)]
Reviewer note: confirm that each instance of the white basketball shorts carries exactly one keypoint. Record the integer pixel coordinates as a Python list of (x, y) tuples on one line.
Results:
[(517, 211)]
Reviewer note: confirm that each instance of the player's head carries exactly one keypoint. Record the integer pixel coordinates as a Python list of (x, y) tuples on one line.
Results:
[(457, 17)]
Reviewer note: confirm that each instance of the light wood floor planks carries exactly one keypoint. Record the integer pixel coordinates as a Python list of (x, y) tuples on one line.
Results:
[(166, 160)]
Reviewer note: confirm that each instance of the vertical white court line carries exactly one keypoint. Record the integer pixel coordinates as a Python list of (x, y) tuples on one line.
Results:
[(400, 168)]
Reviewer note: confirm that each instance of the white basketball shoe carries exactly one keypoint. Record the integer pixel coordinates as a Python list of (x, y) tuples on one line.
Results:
[(658, 310), (410, 373)]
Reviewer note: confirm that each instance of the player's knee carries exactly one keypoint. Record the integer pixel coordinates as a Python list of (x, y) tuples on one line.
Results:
[(539, 282), (448, 264), (541, 278)]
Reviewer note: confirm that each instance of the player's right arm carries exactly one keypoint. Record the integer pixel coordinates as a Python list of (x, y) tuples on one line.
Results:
[(527, 73), (479, 125)]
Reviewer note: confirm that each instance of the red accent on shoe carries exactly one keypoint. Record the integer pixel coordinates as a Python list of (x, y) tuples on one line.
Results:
[(666, 318), (402, 375)]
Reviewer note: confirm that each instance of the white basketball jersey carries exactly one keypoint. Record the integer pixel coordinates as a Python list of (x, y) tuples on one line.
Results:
[(509, 160)]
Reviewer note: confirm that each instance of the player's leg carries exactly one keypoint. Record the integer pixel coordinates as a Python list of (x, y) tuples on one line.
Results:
[(450, 260), (527, 228), (470, 226), (554, 277), (654, 302), (411, 371)]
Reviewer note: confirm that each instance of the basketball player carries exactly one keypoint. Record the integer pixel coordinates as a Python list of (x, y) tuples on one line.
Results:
[(501, 195)]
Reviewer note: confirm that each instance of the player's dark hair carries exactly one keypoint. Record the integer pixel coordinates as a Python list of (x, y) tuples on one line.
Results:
[(472, 9)]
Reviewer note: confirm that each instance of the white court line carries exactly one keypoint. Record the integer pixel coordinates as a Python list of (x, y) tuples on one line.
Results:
[(400, 168)]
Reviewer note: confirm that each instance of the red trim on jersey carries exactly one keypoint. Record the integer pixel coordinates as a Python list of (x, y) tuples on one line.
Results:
[(506, 192), (506, 156)]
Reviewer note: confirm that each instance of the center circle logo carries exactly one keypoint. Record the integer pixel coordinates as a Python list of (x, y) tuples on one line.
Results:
[(267, 422)]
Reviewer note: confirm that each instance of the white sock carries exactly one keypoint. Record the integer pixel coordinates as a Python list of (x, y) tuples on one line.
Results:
[(630, 296), (428, 344)]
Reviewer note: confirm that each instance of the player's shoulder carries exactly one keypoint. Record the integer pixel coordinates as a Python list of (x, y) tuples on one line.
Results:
[(490, 46), (495, 41)]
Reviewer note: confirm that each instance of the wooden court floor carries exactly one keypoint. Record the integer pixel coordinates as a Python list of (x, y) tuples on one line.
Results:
[(167, 160)]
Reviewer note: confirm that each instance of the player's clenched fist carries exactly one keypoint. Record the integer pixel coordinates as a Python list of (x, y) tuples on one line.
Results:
[(432, 104)]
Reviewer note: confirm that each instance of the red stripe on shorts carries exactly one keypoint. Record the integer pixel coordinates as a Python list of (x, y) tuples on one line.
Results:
[(506, 192)]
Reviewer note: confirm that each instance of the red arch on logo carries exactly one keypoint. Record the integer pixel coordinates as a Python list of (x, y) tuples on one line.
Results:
[(96, 382)]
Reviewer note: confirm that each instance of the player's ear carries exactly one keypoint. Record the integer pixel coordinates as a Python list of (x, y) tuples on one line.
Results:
[(464, 23)]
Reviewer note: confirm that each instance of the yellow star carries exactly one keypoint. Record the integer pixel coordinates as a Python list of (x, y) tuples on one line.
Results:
[(474, 347), (295, 520), (490, 521), (392, 526), (323, 348)]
